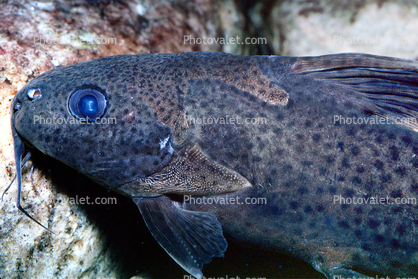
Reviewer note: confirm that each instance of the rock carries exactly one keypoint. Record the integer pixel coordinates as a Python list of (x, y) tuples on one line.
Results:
[(324, 26), (110, 240), (38, 36)]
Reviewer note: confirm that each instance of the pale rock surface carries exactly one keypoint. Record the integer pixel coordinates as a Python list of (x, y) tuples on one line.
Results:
[(319, 27), (36, 36)]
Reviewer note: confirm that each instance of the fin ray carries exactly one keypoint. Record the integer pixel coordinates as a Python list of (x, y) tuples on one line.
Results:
[(190, 238), (385, 86)]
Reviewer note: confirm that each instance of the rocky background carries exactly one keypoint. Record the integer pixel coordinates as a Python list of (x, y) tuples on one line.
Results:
[(110, 240)]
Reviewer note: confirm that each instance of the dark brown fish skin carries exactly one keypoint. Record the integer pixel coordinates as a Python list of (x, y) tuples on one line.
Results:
[(298, 160)]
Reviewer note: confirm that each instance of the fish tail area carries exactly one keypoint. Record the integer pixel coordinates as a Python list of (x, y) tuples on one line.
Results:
[(384, 86), (191, 238)]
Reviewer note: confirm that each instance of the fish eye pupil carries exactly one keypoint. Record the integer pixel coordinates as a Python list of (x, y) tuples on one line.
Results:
[(88, 105)]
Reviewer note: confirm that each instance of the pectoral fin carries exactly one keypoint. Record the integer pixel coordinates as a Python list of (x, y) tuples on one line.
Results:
[(190, 238), (189, 172), (385, 86)]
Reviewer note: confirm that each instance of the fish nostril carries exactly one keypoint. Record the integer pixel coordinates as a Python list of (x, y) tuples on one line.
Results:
[(17, 106), (34, 93)]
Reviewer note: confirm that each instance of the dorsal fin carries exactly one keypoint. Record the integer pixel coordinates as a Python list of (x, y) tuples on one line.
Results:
[(385, 86)]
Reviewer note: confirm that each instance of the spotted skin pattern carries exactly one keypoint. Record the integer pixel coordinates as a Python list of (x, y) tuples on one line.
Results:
[(296, 156)]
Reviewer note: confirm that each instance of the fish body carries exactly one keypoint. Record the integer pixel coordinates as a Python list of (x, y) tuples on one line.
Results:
[(310, 155)]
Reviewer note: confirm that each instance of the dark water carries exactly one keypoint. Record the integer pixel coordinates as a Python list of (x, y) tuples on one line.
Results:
[(134, 248)]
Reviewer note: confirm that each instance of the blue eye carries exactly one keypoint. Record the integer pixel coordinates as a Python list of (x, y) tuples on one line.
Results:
[(87, 104)]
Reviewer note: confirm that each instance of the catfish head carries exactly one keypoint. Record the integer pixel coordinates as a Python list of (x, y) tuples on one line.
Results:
[(100, 118)]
